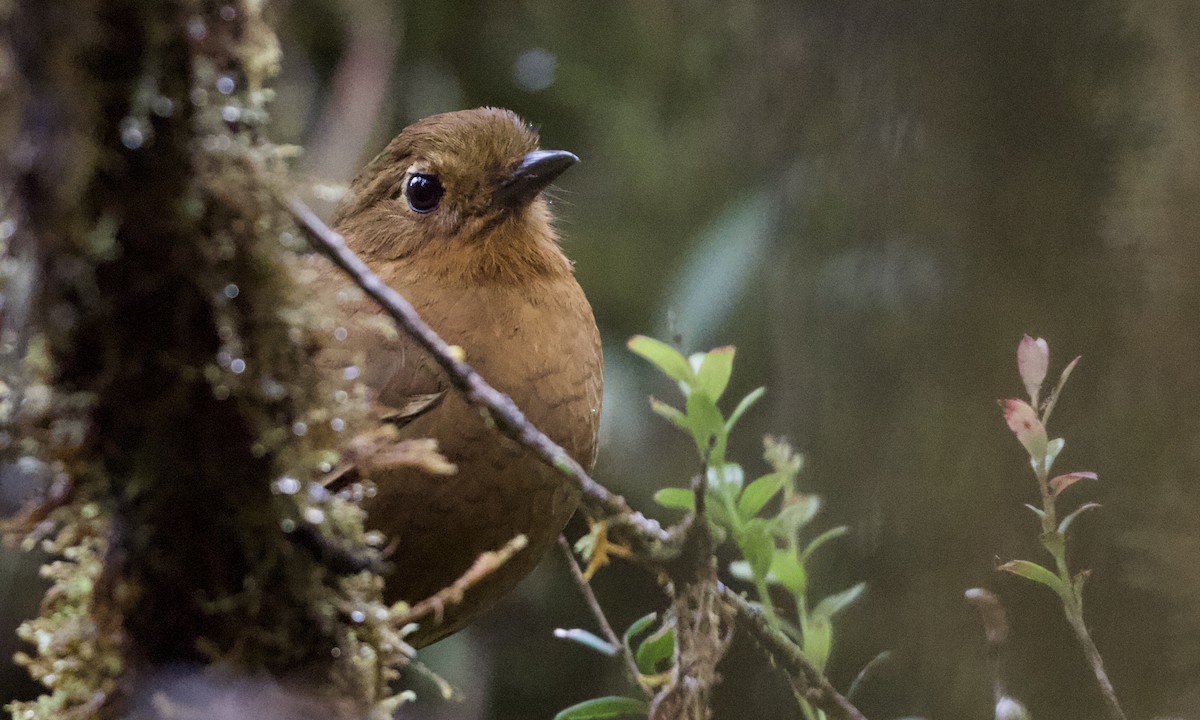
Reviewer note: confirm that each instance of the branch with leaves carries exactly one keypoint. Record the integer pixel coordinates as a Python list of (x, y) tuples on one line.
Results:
[(771, 546), (1028, 421)]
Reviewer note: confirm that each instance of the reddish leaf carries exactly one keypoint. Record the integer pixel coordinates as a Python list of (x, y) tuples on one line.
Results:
[(1033, 359), (1062, 482), (1022, 419)]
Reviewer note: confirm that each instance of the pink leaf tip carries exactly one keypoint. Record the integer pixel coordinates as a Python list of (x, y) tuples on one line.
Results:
[(1023, 420), (1062, 482), (1033, 360)]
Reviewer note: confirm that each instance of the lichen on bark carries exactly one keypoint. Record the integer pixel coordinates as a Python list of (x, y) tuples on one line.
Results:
[(165, 372)]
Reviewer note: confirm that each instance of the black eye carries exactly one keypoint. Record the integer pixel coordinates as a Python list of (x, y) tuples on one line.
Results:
[(424, 192)]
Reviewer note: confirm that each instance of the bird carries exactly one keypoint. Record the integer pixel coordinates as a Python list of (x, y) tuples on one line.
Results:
[(452, 214)]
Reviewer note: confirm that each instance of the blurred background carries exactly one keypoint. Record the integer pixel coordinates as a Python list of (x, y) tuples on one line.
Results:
[(873, 201)]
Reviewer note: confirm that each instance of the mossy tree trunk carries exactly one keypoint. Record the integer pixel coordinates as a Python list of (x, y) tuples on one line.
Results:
[(166, 352)]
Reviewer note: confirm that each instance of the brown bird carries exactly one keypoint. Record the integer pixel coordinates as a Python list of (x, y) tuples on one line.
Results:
[(451, 214)]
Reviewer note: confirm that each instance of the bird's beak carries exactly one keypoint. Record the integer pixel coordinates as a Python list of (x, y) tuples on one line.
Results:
[(537, 170)]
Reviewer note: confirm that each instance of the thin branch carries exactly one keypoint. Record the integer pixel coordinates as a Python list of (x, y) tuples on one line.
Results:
[(484, 565), (631, 668), (653, 541), (810, 681)]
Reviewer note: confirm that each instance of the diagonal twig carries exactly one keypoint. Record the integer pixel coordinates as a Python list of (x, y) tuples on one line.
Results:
[(631, 668), (807, 679), (654, 542)]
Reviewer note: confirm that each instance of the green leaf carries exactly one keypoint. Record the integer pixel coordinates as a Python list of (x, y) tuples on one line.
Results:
[(726, 479), (751, 398), (664, 357), (707, 426), (1036, 510), (680, 498), (659, 646), (838, 602), (758, 547), (798, 512), (818, 640), (670, 412), (612, 706), (638, 626), (1035, 572), (715, 369), (821, 539), (788, 572), (1066, 522), (1053, 448), (759, 493), (587, 639)]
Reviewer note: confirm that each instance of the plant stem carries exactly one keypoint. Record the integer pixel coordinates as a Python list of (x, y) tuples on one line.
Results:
[(1072, 599), (1093, 657)]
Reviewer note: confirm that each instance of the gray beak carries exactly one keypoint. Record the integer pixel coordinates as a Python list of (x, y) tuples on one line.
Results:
[(537, 170)]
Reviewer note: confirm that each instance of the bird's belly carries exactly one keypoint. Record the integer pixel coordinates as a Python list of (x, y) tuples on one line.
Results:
[(441, 524)]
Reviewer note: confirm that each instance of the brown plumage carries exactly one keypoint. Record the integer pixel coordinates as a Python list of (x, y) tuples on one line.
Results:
[(480, 262)]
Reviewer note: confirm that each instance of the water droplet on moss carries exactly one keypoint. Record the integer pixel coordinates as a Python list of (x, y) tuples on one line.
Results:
[(314, 515), (226, 84), (337, 424), (238, 366), (299, 429), (358, 616), (287, 525), (340, 334), (351, 372), (340, 396), (287, 485), (231, 291)]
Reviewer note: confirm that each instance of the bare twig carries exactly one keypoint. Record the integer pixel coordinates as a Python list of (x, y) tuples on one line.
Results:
[(484, 565), (808, 680), (631, 668), (652, 541)]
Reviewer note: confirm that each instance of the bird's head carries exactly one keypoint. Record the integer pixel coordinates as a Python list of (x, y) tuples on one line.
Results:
[(460, 194)]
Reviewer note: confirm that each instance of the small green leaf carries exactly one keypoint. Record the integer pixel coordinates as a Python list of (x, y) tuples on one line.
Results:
[(715, 370), (656, 648), (821, 539), (587, 639), (1036, 510), (612, 706), (1066, 522), (664, 357), (788, 572), (670, 412), (759, 493), (838, 602), (1053, 448), (707, 426), (751, 398), (638, 626), (726, 479), (798, 512), (1035, 572), (758, 547), (680, 498), (818, 640)]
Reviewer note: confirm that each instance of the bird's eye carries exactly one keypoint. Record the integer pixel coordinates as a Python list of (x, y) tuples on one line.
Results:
[(423, 192)]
